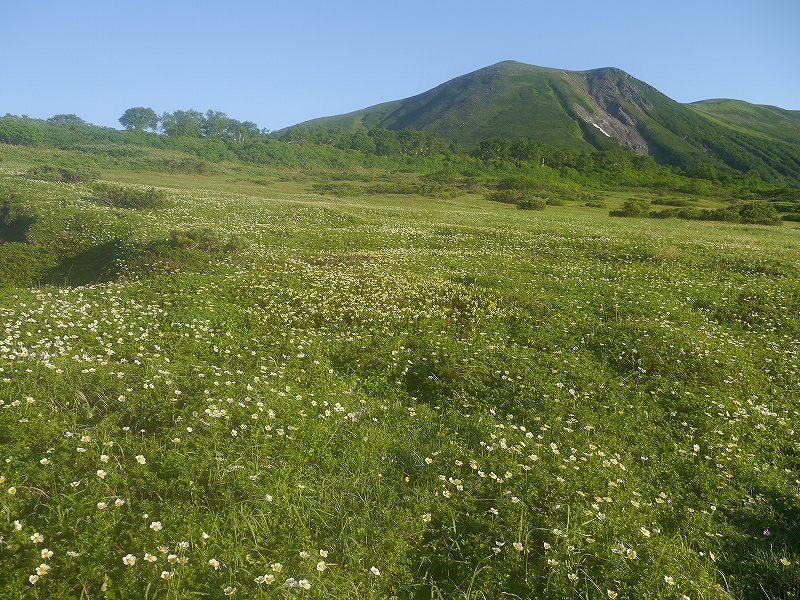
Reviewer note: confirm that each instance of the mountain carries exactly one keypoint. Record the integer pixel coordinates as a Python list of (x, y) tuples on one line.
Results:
[(597, 109)]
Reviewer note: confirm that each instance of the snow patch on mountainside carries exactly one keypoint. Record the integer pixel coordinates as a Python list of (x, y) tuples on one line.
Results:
[(601, 129)]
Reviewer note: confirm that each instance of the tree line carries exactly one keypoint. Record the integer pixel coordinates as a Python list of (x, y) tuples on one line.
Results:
[(189, 123)]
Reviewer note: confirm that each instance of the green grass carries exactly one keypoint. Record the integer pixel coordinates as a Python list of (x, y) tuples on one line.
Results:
[(391, 396), (770, 121)]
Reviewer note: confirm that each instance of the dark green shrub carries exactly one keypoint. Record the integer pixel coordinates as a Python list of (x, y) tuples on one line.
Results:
[(208, 240), (633, 208), (124, 197), (423, 188), (522, 198), (531, 203), (507, 196), (555, 202), (50, 173), (184, 165), (758, 212), (728, 215)]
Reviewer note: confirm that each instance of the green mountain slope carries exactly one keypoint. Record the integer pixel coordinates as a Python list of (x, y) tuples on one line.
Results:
[(595, 109), (772, 122), (509, 99)]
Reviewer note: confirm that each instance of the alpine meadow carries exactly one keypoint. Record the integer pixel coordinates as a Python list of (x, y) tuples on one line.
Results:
[(533, 334)]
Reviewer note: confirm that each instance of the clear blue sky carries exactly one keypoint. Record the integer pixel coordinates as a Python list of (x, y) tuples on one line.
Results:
[(280, 62)]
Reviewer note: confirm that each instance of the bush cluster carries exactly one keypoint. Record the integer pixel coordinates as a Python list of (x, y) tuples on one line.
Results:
[(208, 239), (757, 212), (523, 199), (62, 174), (125, 197)]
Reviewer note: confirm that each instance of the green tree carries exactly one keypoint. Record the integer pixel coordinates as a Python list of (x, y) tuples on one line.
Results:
[(386, 143), (183, 123), (139, 118), (496, 149), (216, 124), (362, 142), (69, 119), (16, 130)]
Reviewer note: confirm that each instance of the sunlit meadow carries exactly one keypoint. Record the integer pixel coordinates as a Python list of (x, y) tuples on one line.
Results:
[(395, 397)]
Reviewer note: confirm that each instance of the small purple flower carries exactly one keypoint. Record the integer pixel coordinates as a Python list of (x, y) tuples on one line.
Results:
[(767, 532)]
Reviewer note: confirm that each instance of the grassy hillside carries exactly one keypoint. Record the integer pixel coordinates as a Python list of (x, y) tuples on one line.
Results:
[(772, 122), (509, 100), (229, 382)]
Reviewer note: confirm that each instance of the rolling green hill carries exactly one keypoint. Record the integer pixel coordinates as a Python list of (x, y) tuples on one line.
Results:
[(772, 122), (595, 109)]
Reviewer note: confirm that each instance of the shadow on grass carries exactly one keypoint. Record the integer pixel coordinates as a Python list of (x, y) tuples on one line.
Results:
[(765, 558), (98, 264)]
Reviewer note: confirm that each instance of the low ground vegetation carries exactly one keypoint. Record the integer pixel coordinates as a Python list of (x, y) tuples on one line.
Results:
[(263, 389)]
